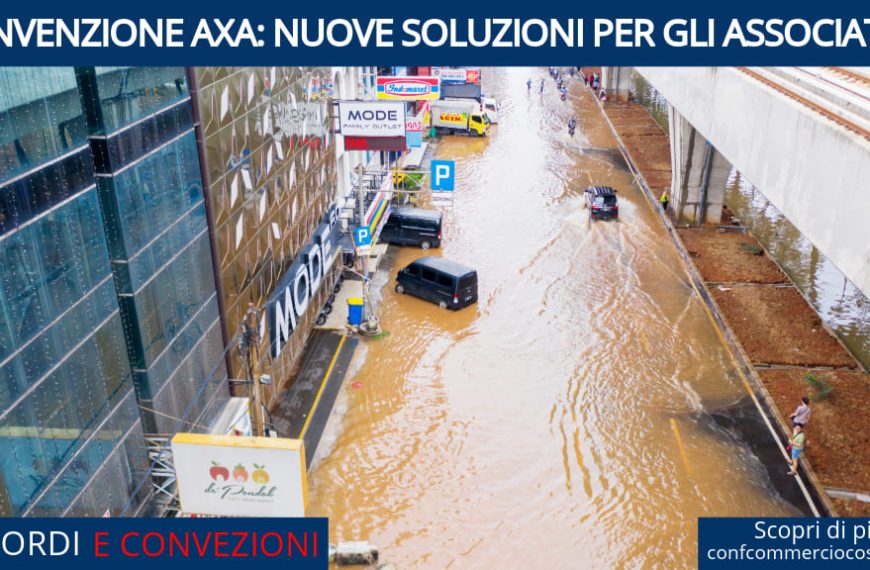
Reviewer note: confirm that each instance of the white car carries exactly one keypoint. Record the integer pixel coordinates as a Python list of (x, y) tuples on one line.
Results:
[(490, 108)]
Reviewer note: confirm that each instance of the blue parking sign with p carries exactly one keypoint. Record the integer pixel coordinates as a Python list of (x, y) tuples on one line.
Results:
[(362, 237), (443, 175)]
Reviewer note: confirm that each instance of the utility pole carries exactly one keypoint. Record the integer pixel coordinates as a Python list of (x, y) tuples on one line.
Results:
[(363, 259), (251, 349)]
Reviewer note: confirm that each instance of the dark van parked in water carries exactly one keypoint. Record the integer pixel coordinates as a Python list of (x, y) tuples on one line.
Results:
[(445, 283), (413, 226)]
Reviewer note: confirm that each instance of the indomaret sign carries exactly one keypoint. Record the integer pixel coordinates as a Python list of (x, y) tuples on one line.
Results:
[(299, 285)]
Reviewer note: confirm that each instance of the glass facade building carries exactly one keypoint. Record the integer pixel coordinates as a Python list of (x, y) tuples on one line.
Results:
[(141, 131), (141, 211), (71, 440), (270, 162), (109, 322)]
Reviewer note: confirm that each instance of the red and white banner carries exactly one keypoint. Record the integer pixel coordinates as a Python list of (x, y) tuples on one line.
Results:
[(463, 75)]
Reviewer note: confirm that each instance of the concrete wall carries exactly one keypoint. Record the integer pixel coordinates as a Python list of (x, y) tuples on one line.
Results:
[(617, 81), (699, 174), (814, 171)]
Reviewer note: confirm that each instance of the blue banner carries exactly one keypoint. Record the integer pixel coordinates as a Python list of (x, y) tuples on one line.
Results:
[(167, 544), (792, 543), (436, 33)]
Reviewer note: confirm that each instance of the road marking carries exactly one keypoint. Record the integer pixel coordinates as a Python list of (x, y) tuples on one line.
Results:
[(322, 386), (681, 447)]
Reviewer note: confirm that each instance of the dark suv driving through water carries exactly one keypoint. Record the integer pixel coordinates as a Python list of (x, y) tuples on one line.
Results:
[(602, 202)]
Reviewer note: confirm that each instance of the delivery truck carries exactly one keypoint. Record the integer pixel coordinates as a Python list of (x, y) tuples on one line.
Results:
[(459, 117)]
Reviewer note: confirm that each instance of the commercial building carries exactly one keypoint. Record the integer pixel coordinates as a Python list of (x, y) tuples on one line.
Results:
[(141, 211), (272, 181), (71, 438)]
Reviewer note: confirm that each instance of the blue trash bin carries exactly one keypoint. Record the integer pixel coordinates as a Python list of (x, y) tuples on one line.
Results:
[(355, 311)]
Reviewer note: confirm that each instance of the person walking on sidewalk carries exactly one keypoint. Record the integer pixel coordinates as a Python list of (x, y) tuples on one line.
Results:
[(801, 414), (796, 443), (664, 200)]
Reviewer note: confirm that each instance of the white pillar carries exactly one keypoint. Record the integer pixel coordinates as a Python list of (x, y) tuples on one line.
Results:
[(699, 174)]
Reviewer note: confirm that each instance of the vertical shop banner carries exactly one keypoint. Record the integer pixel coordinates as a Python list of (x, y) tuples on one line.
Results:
[(414, 130)]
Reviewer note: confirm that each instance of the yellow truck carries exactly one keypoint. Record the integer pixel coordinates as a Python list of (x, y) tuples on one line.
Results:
[(459, 117)]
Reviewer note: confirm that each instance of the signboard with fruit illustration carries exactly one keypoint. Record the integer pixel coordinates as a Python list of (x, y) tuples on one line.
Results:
[(228, 475)]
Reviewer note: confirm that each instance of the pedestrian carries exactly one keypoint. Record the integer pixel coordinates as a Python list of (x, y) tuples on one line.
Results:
[(801, 414), (796, 443), (603, 95), (585, 80), (541, 89), (664, 201)]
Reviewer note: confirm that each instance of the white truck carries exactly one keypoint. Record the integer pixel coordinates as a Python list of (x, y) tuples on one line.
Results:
[(459, 116), (490, 109)]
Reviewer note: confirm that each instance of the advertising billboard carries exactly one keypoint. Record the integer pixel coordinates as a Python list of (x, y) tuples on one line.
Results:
[(461, 75), (227, 475), (409, 88), (372, 118)]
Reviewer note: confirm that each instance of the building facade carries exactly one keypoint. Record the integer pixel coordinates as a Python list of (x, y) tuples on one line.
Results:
[(71, 439), (270, 157), (141, 211), (141, 133)]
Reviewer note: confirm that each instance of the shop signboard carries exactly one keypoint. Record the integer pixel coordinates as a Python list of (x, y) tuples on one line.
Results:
[(409, 88), (376, 143), (462, 75), (286, 307), (372, 118), (225, 475)]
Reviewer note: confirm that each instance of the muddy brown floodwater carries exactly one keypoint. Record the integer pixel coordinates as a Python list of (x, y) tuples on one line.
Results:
[(563, 422)]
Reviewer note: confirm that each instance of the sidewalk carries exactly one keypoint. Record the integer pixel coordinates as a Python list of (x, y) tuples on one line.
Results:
[(301, 411)]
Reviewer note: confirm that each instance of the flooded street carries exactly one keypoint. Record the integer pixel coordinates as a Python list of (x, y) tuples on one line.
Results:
[(563, 422)]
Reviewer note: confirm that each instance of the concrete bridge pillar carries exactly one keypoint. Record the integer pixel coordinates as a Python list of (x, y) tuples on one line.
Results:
[(617, 81), (700, 174)]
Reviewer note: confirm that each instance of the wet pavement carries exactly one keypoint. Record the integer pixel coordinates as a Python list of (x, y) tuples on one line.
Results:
[(303, 410), (584, 414)]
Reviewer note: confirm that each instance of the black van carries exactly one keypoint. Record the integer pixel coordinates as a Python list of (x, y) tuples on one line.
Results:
[(413, 226), (448, 284)]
